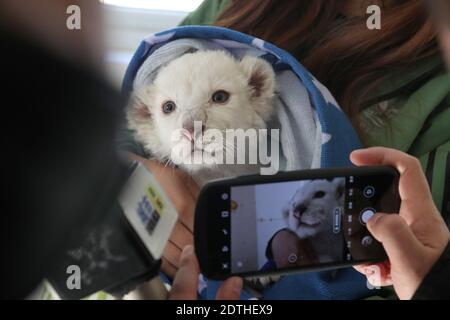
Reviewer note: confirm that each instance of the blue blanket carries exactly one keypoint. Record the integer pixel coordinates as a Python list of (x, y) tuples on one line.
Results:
[(303, 102)]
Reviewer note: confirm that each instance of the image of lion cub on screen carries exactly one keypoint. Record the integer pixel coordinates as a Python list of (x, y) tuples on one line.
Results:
[(310, 214)]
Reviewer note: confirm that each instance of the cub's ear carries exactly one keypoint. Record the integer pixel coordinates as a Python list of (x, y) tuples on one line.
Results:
[(340, 187), (261, 77), (138, 109)]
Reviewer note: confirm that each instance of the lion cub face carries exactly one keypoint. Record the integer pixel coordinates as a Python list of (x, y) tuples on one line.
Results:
[(310, 212), (211, 87)]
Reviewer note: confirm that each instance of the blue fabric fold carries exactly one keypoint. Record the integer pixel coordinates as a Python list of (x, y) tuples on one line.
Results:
[(338, 140)]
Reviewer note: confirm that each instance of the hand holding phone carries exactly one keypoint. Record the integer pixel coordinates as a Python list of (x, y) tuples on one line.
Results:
[(292, 222), (416, 238)]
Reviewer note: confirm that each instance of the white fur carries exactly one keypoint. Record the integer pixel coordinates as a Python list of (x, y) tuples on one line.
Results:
[(190, 81), (312, 217)]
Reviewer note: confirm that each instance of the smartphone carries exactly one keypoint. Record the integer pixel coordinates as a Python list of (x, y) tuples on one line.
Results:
[(292, 222)]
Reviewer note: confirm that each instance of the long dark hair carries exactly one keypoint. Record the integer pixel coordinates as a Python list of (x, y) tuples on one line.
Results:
[(342, 53)]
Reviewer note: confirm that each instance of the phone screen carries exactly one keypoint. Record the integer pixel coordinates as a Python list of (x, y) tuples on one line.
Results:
[(263, 227)]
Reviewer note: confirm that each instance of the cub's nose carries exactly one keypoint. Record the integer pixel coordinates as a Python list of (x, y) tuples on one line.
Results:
[(299, 210), (190, 130), (192, 133)]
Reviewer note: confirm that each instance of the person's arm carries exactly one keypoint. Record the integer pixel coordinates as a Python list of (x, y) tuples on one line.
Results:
[(436, 285)]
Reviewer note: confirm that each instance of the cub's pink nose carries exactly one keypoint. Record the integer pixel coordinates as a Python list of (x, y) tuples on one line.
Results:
[(299, 210), (192, 133)]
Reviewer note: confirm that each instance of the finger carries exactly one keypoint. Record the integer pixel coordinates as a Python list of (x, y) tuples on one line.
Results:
[(181, 236), (185, 284), (378, 275), (397, 238), (413, 187), (167, 268), (172, 254), (230, 289), (361, 268)]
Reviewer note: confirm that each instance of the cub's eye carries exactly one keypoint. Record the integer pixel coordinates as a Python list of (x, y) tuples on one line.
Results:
[(169, 107), (220, 96), (319, 194)]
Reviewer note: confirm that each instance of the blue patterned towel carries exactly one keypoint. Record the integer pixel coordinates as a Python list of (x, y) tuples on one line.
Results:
[(314, 133)]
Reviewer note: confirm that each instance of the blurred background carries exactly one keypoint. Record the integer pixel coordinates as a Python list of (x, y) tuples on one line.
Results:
[(130, 21)]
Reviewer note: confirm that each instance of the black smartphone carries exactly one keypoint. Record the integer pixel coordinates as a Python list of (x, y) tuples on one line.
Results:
[(292, 222)]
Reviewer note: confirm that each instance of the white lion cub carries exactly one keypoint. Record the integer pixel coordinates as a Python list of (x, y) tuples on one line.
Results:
[(310, 214), (211, 87)]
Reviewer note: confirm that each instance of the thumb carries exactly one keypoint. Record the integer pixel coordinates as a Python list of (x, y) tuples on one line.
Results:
[(398, 240), (185, 284), (230, 289)]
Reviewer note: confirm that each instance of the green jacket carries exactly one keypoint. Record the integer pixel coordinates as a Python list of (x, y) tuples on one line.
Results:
[(417, 122)]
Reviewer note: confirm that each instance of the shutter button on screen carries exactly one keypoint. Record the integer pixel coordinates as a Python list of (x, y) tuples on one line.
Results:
[(366, 214)]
